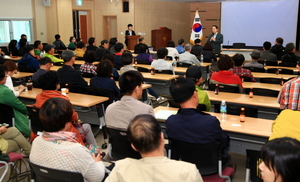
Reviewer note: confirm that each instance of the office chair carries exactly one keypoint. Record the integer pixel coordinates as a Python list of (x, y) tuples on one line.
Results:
[(186, 65), (252, 163), (224, 88), (143, 62), (236, 110), (281, 71), (7, 115), (169, 72), (271, 80), (253, 69)]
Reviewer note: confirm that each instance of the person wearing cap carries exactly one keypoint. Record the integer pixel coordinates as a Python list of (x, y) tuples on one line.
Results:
[(28, 60), (187, 57), (192, 125), (194, 73), (290, 57), (255, 55), (58, 43), (67, 74), (45, 66), (267, 54), (129, 32), (49, 49)]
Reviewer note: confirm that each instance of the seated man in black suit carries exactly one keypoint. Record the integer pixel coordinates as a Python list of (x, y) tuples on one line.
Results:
[(102, 49), (191, 125), (138, 46), (290, 57), (67, 74), (278, 49), (92, 44), (197, 48)]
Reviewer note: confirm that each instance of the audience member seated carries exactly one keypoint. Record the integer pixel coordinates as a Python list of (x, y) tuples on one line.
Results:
[(63, 152), (290, 57), (72, 44), (103, 78), (111, 47), (23, 37), (38, 47), (197, 48), (12, 48), (255, 55), (161, 63), (180, 48), (186, 124), (289, 96), (12, 68), (88, 67), (50, 84), (22, 43), (28, 60), (8, 97), (92, 44), (209, 56), (278, 49), (49, 49), (45, 66), (119, 114), (187, 57), (59, 45), (67, 74), (286, 125), (146, 137), (281, 160), (144, 55), (137, 48), (103, 48), (238, 69), (119, 47), (172, 51), (266, 54), (80, 50), (225, 76), (12, 140), (194, 73), (111, 57)]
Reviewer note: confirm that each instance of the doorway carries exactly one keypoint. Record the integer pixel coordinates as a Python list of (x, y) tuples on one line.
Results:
[(109, 27), (80, 24)]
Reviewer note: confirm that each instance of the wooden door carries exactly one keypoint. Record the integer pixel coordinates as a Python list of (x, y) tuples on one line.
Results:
[(83, 27)]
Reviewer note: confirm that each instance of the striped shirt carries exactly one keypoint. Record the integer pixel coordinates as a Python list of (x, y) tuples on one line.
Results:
[(289, 95)]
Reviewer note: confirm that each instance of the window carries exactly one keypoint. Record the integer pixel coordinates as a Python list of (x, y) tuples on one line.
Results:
[(13, 29)]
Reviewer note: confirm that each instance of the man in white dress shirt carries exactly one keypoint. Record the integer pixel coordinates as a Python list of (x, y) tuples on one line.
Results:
[(161, 63)]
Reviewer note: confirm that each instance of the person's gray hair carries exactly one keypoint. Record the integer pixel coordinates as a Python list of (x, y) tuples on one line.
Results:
[(187, 47)]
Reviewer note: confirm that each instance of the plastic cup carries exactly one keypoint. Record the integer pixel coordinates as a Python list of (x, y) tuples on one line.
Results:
[(64, 91), (29, 85)]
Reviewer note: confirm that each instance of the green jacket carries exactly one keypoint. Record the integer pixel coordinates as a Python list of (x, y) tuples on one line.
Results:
[(203, 98), (20, 110)]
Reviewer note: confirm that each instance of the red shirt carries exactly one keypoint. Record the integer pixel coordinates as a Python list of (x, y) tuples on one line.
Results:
[(226, 77)]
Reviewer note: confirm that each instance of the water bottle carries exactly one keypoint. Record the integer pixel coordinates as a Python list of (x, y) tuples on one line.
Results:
[(174, 64), (201, 59), (223, 110), (42, 54)]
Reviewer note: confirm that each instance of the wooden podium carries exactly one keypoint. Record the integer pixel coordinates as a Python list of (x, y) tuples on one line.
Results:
[(132, 41), (160, 37)]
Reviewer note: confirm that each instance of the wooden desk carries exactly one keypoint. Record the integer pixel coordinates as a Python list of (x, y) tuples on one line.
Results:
[(76, 99), (13, 58), (144, 86), (22, 75), (251, 126), (271, 75), (276, 87), (157, 76), (243, 99)]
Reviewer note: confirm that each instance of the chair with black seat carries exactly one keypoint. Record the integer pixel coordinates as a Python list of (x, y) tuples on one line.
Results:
[(4, 49), (280, 71), (271, 80), (236, 110), (186, 65), (263, 92), (169, 58), (206, 157), (101, 108), (224, 88), (25, 69), (7, 115), (252, 162), (287, 64), (238, 45), (253, 69), (169, 72), (87, 75), (268, 63), (35, 123), (120, 145), (143, 62), (141, 69), (44, 174)]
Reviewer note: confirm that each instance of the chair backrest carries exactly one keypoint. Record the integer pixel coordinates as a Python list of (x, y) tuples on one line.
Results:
[(268, 63), (252, 163), (25, 69), (271, 80), (143, 62), (287, 64), (236, 110), (170, 72), (169, 58), (281, 71), (5, 50), (44, 174), (141, 69), (121, 147), (263, 92), (186, 65), (102, 92), (87, 75), (224, 88), (204, 156), (246, 78), (74, 88), (238, 45), (7, 115), (35, 122), (253, 69)]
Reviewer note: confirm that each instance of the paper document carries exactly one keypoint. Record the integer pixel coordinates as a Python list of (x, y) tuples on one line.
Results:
[(164, 114)]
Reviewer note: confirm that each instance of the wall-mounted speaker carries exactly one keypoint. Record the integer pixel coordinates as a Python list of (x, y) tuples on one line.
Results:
[(125, 6), (47, 2)]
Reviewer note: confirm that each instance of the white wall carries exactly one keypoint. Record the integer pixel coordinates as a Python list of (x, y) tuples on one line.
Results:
[(16, 9)]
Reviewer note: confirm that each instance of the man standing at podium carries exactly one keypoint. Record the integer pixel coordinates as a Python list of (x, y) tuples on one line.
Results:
[(216, 39), (129, 32)]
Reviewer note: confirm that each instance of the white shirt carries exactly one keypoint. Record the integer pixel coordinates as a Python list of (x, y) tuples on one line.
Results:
[(9, 84), (161, 64), (189, 58), (172, 52)]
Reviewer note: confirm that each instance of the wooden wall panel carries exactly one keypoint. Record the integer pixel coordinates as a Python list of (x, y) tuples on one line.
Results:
[(64, 19)]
